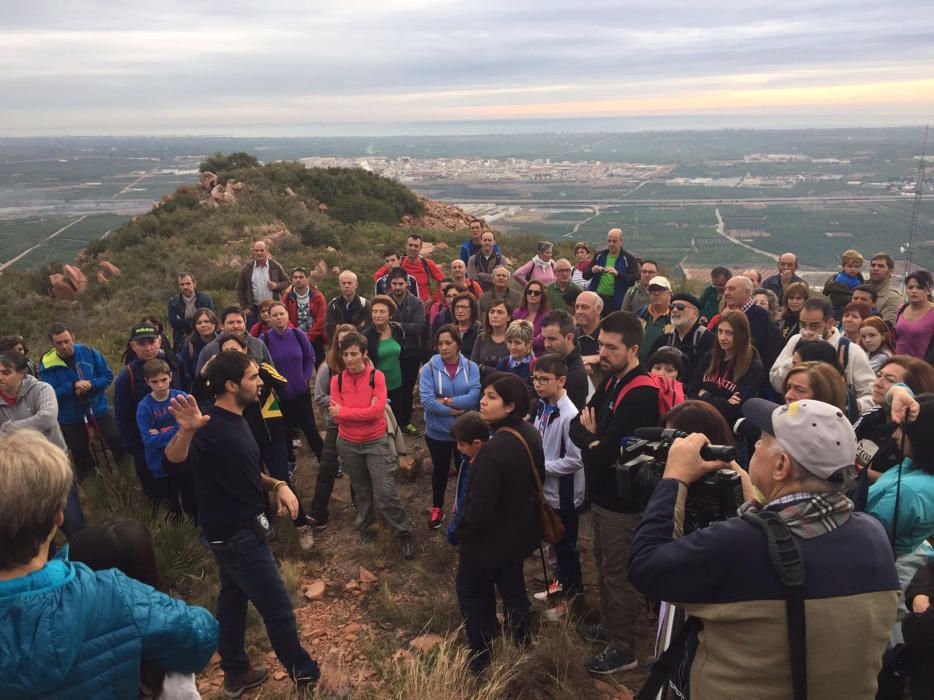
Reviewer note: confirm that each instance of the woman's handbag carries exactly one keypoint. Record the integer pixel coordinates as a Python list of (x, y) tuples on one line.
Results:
[(550, 526)]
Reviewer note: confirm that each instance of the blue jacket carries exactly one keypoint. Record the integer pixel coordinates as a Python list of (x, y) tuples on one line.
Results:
[(68, 632), (128, 392), (434, 382), (154, 415), (93, 367), (915, 505)]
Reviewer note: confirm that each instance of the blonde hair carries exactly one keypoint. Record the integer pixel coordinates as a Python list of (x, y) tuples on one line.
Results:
[(520, 329), (35, 478), (852, 256)]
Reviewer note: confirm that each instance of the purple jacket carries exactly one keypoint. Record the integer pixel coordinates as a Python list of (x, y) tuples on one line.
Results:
[(294, 359)]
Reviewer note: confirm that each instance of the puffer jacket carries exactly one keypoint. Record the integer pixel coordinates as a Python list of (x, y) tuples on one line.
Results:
[(35, 408), (90, 365), (434, 382), (68, 632)]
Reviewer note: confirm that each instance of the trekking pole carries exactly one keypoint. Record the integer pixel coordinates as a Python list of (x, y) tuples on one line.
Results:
[(101, 444)]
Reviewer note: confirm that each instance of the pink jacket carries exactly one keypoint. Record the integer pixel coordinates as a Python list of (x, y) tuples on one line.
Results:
[(360, 419)]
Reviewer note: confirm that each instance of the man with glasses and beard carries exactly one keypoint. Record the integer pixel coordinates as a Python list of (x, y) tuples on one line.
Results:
[(219, 447), (689, 335)]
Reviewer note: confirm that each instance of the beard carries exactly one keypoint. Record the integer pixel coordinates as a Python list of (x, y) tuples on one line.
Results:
[(246, 397)]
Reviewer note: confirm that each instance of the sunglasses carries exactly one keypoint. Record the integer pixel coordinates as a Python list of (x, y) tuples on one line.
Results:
[(532, 293), (678, 307)]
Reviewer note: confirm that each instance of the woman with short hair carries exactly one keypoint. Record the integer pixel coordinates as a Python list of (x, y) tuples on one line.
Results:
[(466, 313), (795, 296), (541, 267), (385, 341), (67, 631), (582, 254), (815, 380)]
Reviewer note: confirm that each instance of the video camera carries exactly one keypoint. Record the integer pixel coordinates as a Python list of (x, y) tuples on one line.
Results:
[(713, 497)]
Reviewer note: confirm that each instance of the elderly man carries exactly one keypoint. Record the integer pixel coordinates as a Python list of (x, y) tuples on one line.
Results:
[(612, 272), (421, 268), (638, 294), (346, 307), (480, 266), (499, 290), (737, 296), (778, 283), (689, 335), (587, 312), (753, 276), (381, 276), (562, 293), (655, 316), (817, 323), (260, 279), (459, 277), (889, 300), (724, 575), (183, 306), (472, 245)]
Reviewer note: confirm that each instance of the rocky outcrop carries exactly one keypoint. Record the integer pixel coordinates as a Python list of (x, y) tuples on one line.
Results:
[(439, 215), (71, 282)]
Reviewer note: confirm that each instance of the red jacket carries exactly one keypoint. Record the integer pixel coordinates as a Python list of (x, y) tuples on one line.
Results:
[(360, 418), (317, 308), (424, 270)]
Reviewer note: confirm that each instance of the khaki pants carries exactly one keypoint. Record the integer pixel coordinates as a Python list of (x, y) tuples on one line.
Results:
[(621, 606), (371, 467)]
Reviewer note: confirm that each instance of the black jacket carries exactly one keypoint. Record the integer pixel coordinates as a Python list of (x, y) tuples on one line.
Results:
[(918, 628), (181, 326), (576, 384), (372, 339), (694, 345), (499, 520), (356, 313), (410, 315)]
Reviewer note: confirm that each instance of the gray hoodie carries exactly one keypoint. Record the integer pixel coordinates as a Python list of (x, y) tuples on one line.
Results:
[(36, 407)]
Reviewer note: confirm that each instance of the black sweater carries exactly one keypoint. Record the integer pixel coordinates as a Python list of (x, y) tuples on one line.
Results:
[(638, 409), (720, 386), (499, 520)]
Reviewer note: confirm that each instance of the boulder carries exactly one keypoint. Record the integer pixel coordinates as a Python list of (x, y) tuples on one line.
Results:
[(109, 269), (208, 180), (367, 576), (315, 590), (425, 642), (76, 278)]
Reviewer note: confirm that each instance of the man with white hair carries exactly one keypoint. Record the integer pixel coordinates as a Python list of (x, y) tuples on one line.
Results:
[(346, 307), (260, 279), (587, 311), (737, 296)]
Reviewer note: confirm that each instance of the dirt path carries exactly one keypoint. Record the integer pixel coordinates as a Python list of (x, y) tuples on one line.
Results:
[(721, 229)]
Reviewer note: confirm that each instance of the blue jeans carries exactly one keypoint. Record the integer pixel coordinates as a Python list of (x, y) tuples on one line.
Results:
[(74, 517), (248, 572), (568, 570)]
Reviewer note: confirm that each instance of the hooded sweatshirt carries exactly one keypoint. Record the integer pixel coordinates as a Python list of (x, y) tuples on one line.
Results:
[(36, 407), (435, 382), (69, 632)]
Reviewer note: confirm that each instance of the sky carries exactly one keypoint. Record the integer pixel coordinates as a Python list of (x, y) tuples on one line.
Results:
[(294, 67)]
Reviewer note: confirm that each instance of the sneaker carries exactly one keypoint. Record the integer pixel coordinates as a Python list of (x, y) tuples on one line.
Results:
[(315, 524), (408, 547), (235, 684), (306, 539), (554, 588), (296, 444), (437, 515), (611, 661), (410, 430), (592, 632)]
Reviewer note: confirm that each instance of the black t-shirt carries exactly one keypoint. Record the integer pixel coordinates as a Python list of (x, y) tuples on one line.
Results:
[(225, 460)]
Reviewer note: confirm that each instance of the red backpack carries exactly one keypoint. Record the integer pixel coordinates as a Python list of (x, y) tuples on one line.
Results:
[(670, 391)]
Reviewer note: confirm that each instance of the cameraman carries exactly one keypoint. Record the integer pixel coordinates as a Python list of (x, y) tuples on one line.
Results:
[(627, 399), (723, 574)]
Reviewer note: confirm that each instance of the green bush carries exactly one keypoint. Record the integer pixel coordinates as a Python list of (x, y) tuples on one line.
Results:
[(219, 162)]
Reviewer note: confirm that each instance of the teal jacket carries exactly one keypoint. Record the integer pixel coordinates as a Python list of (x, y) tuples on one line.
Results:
[(69, 632), (915, 505)]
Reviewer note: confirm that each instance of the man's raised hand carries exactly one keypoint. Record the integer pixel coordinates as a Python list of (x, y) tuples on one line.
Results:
[(187, 413)]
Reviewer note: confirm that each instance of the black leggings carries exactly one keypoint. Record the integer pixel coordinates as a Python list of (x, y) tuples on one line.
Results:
[(441, 452), (298, 413)]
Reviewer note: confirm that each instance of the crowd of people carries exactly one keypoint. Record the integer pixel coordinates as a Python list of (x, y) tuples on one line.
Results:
[(530, 376)]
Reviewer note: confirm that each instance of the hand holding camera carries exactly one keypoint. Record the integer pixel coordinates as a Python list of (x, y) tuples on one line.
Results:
[(687, 461)]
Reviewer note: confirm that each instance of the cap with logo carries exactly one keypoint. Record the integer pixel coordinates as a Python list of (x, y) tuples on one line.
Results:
[(659, 281), (818, 436), (142, 331)]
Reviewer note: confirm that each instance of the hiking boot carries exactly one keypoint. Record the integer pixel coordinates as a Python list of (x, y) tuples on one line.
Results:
[(236, 683), (434, 522), (408, 547), (315, 524), (554, 589), (306, 539), (410, 430), (611, 661), (592, 632)]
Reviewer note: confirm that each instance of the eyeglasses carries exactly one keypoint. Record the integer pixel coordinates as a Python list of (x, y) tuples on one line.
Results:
[(532, 293), (538, 379), (563, 269)]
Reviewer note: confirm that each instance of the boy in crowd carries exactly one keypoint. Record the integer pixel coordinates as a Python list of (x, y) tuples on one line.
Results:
[(564, 473), (470, 433), (840, 287), (156, 428)]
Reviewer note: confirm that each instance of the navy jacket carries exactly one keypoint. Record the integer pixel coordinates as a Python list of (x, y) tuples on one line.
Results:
[(129, 390), (181, 326)]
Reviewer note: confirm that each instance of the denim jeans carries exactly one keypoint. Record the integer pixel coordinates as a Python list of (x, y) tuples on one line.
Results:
[(568, 569), (74, 517), (476, 595), (248, 572)]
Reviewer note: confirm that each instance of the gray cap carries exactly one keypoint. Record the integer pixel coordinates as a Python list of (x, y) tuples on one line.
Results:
[(818, 436)]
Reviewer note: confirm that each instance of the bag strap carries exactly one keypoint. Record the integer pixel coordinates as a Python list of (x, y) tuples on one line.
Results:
[(528, 451), (666, 664), (788, 562), (647, 380)]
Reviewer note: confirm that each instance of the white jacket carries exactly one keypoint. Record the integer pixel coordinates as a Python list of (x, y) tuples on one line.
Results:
[(859, 375), (562, 457)]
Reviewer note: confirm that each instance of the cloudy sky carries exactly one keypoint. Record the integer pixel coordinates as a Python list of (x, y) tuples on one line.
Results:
[(281, 67)]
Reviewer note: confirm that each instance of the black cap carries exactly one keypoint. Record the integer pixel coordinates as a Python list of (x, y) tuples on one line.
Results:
[(689, 298), (144, 330)]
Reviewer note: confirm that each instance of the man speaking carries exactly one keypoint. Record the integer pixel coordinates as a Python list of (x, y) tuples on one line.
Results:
[(840, 615)]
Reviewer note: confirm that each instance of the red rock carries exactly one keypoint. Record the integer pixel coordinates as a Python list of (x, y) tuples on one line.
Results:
[(425, 642), (367, 576), (351, 585), (109, 269), (315, 590), (280, 675)]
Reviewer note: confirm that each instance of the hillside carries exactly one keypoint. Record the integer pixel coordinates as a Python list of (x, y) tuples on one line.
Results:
[(324, 219)]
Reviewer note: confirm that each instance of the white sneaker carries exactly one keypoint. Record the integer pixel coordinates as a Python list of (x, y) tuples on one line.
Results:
[(554, 588), (306, 539)]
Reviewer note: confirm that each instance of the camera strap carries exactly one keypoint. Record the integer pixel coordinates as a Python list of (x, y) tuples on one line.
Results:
[(788, 562), (667, 663)]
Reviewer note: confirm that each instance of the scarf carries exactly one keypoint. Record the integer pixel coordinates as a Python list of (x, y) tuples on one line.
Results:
[(809, 518), (583, 265), (541, 263)]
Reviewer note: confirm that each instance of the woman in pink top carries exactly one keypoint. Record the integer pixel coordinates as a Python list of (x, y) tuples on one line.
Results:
[(541, 267), (534, 306), (914, 328), (358, 406)]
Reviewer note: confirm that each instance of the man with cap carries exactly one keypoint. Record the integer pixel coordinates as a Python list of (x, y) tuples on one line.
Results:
[(638, 294), (129, 389), (688, 334), (723, 574), (655, 316)]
